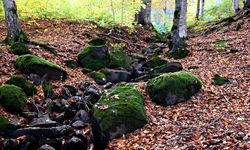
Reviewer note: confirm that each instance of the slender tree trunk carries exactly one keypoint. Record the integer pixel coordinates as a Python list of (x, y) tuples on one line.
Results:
[(177, 46), (236, 6), (183, 20), (247, 4), (198, 10), (144, 15), (202, 8), (15, 33)]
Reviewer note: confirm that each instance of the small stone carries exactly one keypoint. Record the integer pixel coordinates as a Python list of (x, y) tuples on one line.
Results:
[(78, 124), (72, 89), (43, 121), (81, 135), (10, 144), (46, 147), (108, 85), (75, 143), (66, 94), (83, 116)]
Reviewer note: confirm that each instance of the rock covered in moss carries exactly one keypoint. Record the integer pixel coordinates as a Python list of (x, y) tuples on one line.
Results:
[(98, 76), (4, 123), (48, 90), (94, 57), (116, 113), (119, 59), (12, 98), (37, 65), (173, 88), (19, 49), (27, 87), (71, 64), (97, 42), (155, 61), (218, 80)]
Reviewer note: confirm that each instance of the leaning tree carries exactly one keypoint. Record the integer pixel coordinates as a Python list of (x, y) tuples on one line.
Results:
[(143, 17), (14, 30), (177, 47)]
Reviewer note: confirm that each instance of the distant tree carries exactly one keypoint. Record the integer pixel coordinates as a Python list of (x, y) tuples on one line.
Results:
[(143, 17), (202, 8), (198, 10), (236, 6), (178, 46), (15, 33), (183, 20)]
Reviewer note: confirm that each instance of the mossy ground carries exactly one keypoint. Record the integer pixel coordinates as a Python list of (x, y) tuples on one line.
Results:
[(25, 63), (156, 61), (123, 106), (12, 98), (97, 75), (218, 80), (88, 58), (172, 88), (119, 58), (19, 49), (27, 87)]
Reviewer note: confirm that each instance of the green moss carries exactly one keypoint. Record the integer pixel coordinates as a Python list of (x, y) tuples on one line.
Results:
[(172, 88), (27, 63), (90, 59), (119, 59), (193, 67), (97, 42), (221, 45), (157, 38), (19, 49), (97, 75), (12, 98), (218, 80), (156, 61), (27, 87), (48, 90), (71, 63), (22, 38), (123, 106), (4, 123), (180, 54)]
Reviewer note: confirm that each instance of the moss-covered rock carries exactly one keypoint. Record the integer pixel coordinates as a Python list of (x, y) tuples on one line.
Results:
[(116, 113), (119, 59), (155, 61), (4, 123), (94, 57), (218, 80), (172, 88), (98, 76), (48, 90), (37, 65), (19, 49), (27, 87), (97, 42), (71, 64), (12, 98)]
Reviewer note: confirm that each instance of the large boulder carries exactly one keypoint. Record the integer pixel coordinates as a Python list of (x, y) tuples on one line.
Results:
[(119, 59), (33, 64), (12, 98), (27, 87), (94, 57), (172, 88), (117, 112)]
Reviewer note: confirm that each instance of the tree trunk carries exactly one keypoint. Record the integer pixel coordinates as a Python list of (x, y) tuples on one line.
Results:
[(198, 10), (15, 33), (143, 17), (177, 46), (236, 6), (183, 20), (247, 4), (202, 8)]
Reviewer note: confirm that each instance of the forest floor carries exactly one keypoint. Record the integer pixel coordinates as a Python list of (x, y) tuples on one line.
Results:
[(215, 118)]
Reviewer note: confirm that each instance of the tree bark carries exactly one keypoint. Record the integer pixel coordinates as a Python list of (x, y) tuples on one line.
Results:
[(236, 6), (247, 4), (202, 8), (183, 20), (143, 17), (177, 46), (14, 30), (198, 10)]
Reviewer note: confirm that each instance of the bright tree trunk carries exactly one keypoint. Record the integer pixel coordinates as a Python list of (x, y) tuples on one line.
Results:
[(198, 10), (177, 46), (143, 17), (183, 20), (202, 8), (236, 6), (14, 33)]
